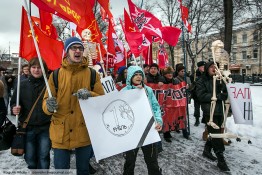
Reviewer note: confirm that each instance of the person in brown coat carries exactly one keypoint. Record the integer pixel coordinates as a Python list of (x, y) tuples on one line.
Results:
[(68, 129)]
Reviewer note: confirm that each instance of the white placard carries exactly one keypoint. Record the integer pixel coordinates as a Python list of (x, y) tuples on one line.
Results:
[(241, 102), (117, 121), (108, 84)]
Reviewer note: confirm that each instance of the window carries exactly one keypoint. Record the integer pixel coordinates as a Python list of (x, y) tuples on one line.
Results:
[(255, 36), (255, 53), (244, 38), (234, 40), (244, 55), (209, 44), (234, 57), (182, 58), (210, 56)]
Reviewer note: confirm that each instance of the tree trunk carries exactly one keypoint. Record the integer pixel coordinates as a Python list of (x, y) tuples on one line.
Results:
[(228, 11), (171, 49)]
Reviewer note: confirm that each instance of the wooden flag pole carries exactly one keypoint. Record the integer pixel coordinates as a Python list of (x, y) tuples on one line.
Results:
[(37, 50)]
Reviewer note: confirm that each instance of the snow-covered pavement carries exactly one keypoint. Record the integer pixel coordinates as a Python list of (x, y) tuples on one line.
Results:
[(184, 156)]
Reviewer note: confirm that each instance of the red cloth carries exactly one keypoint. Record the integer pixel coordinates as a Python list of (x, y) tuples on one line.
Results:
[(147, 55), (46, 24), (50, 49), (170, 35), (148, 24), (172, 100), (77, 12), (143, 20), (110, 40)]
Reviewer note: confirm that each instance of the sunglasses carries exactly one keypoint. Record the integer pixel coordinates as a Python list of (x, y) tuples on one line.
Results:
[(74, 48)]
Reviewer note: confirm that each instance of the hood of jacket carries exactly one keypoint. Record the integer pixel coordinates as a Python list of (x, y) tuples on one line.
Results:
[(207, 65), (131, 72)]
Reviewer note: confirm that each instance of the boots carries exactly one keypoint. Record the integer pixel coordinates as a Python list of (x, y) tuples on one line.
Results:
[(91, 169), (167, 136), (197, 122), (222, 165), (186, 134), (207, 151), (205, 135)]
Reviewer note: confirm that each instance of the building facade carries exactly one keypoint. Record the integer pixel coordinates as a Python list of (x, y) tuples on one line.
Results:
[(245, 57)]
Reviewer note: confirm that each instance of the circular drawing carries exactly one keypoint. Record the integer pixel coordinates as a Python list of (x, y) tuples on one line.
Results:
[(118, 118)]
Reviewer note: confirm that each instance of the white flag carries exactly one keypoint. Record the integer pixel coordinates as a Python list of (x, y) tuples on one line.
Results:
[(241, 102)]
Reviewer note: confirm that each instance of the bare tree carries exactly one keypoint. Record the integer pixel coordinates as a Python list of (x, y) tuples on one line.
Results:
[(170, 17), (2, 52), (228, 11)]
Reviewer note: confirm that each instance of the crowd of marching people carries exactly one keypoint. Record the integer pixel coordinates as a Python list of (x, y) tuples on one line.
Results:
[(56, 122)]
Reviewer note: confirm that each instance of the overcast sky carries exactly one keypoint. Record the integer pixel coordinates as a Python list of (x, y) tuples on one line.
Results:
[(10, 21)]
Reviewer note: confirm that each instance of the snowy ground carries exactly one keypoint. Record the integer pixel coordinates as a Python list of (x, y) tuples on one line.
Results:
[(184, 156)]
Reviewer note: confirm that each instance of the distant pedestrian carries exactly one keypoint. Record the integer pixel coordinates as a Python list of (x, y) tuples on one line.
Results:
[(38, 144), (194, 78)]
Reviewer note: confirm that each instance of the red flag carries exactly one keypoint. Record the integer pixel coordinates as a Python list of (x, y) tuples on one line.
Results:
[(26, 39), (184, 16), (136, 40), (170, 34), (105, 5), (147, 55), (150, 25), (75, 11), (103, 13), (115, 47), (110, 40), (51, 50), (92, 3), (129, 26), (162, 56), (46, 24), (144, 21)]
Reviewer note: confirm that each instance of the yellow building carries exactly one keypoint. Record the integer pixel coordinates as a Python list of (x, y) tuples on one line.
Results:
[(245, 57)]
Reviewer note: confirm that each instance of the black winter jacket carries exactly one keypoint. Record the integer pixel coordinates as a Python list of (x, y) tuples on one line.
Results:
[(154, 79), (3, 111), (194, 80), (168, 81), (29, 91), (204, 92)]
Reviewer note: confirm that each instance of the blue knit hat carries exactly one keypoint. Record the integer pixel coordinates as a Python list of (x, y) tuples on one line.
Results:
[(121, 69), (71, 41)]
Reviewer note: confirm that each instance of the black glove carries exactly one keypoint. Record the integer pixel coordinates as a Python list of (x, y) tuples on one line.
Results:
[(222, 96), (51, 104), (83, 94)]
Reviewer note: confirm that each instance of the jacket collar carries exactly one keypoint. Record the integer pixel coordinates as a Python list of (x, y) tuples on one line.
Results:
[(75, 66)]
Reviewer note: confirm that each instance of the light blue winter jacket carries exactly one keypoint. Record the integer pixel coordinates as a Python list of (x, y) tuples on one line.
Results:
[(150, 95)]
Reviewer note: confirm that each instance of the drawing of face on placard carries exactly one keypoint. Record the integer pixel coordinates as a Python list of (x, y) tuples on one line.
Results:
[(118, 118)]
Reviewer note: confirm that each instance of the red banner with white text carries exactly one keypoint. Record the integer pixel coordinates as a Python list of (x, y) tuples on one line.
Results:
[(172, 100)]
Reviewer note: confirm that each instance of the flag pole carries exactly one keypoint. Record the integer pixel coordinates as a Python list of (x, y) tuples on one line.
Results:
[(37, 50), (141, 57), (185, 64), (18, 89), (30, 9)]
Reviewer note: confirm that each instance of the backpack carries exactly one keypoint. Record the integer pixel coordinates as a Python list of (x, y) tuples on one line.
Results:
[(92, 79)]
